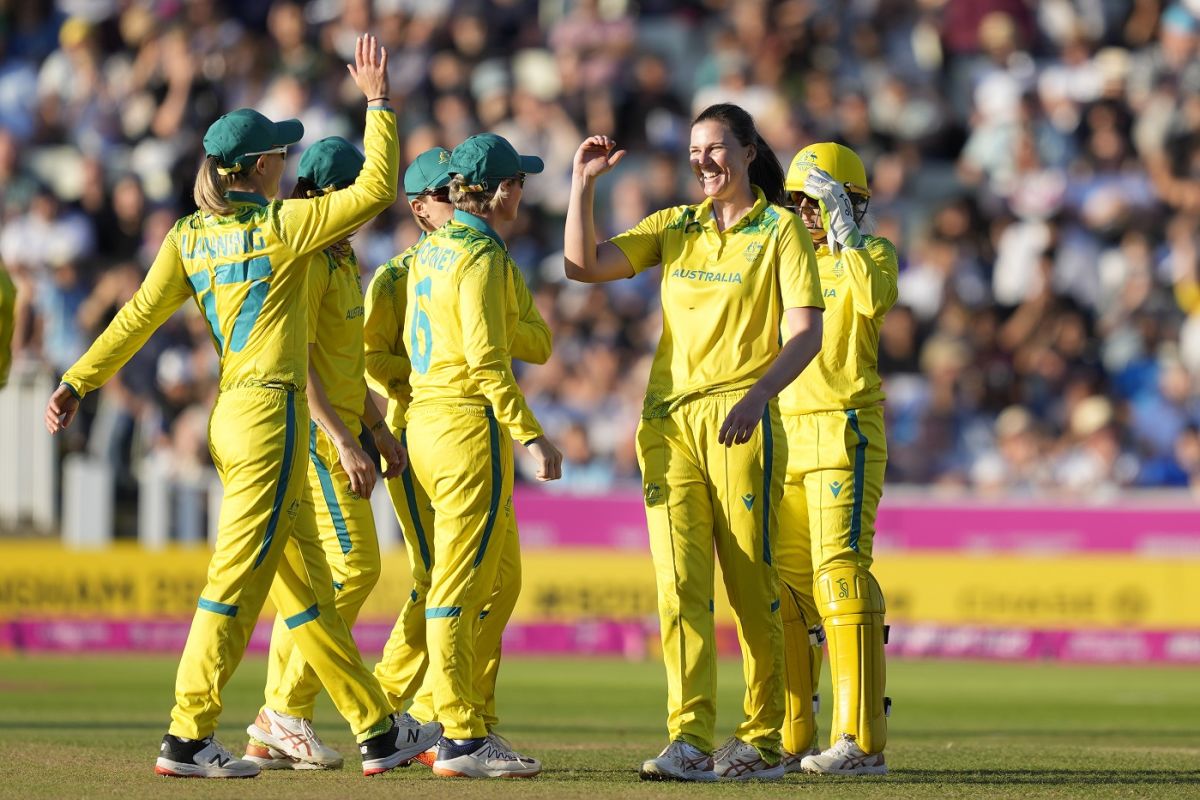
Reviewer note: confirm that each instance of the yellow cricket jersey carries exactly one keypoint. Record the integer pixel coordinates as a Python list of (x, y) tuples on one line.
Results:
[(248, 275), (387, 361), (8, 310), (860, 287), (723, 295), (461, 320), (335, 326)]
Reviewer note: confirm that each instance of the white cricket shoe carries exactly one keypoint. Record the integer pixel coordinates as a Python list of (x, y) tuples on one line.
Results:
[(791, 761), (845, 758), (281, 741), (738, 761), (429, 756), (482, 758), (679, 761), (200, 758)]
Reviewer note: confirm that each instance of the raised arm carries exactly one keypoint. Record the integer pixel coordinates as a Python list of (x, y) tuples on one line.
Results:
[(308, 225), (161, 294), (583, 260)]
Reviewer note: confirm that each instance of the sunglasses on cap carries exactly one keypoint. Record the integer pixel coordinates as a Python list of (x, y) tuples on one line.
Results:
[(281, 150)]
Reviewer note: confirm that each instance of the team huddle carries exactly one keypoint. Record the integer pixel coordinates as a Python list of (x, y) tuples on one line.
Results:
[(745, 461)]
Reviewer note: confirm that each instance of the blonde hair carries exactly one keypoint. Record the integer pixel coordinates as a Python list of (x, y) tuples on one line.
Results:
[(211, 186), (477, 203)]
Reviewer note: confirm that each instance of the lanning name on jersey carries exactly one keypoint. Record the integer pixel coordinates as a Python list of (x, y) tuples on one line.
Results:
[(708, 277), (221, 244)]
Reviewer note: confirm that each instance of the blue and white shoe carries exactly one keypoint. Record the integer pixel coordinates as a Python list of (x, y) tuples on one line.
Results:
[(484, 757)]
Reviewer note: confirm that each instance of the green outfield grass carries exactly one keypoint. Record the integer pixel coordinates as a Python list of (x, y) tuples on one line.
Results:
[(89, 727)]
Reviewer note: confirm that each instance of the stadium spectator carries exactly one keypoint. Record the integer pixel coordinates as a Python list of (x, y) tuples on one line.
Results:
[(1046, 154)]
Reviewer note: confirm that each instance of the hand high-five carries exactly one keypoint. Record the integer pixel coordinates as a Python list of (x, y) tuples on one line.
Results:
[(369, 69), (596, 157)]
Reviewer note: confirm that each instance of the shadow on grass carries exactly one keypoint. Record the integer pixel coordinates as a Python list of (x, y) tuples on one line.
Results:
[(1045, 777)]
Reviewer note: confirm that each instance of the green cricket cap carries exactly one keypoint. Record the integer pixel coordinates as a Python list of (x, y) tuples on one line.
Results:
[(332, 161), (430, 170), (486, 159), (233, 137)]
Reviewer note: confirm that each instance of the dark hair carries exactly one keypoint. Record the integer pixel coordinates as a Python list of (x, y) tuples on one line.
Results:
[(765, 170), (305, 189)]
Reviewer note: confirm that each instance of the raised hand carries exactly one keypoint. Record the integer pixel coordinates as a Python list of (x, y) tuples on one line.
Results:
[(596, 157), (369, 69)]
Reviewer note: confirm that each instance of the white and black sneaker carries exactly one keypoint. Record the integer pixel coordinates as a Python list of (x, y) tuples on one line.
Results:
[(738, 761), (486, 757), (200, 758), (398, 746), (679, 761)]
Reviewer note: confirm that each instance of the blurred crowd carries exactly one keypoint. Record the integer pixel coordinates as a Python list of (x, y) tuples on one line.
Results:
[(1036, 163)]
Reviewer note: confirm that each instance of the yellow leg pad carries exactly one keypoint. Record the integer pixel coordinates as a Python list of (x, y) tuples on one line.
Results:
[(851, 604), (802, 669)]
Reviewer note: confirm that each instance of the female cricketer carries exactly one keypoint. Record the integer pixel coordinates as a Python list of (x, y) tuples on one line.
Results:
[(244, 260), (710, 442), (340, 474), (402, 672), (460, 321), (833, 416)]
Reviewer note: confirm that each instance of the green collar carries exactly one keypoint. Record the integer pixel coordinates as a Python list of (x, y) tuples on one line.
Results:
[(705, 215), (479, 224), (246, 197)]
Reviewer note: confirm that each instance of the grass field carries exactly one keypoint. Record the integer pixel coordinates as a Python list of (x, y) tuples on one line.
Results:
[(89, 727)]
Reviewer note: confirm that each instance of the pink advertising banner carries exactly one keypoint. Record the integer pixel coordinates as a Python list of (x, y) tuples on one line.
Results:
[(639, 639), (618, 521)]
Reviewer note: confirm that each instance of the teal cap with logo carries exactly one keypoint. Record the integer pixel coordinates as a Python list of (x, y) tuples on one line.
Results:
[(333, 161), (237, 139), (486, 159), (430, 170)]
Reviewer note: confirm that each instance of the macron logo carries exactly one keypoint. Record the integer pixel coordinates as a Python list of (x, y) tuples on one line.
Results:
[(748, 499), (836, 488)]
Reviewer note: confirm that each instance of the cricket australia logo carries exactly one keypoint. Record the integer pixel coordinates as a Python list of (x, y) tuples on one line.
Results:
[(752, 252), (838, 269), (443, 157), (653, 494)]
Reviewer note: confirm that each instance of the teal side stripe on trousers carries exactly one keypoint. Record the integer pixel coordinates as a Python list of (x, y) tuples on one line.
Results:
[(328, 492), (443, 611), (860, 473), (410, 497), (497, 479), (289, 445), (307, 615), (217, 608), (768, 447)]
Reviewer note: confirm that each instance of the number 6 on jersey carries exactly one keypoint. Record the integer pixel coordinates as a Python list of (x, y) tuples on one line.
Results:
[(420, 348)]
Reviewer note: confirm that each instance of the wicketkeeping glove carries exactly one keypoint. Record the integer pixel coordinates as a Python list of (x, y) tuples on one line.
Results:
[(836, 211)]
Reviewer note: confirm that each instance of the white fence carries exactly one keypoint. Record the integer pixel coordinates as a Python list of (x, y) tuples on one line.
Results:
[(171, 510)]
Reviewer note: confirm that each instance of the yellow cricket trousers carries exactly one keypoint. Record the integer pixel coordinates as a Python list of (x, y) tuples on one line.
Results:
[(463, 457), (346, 527), (699, 495), (827, 528), (403, 669), (267, 543)]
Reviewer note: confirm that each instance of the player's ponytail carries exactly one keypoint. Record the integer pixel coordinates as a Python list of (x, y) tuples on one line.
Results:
[(211, 186), (765, 171)]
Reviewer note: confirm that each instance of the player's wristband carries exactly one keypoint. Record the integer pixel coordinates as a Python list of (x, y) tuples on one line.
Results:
[(374, 99)]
